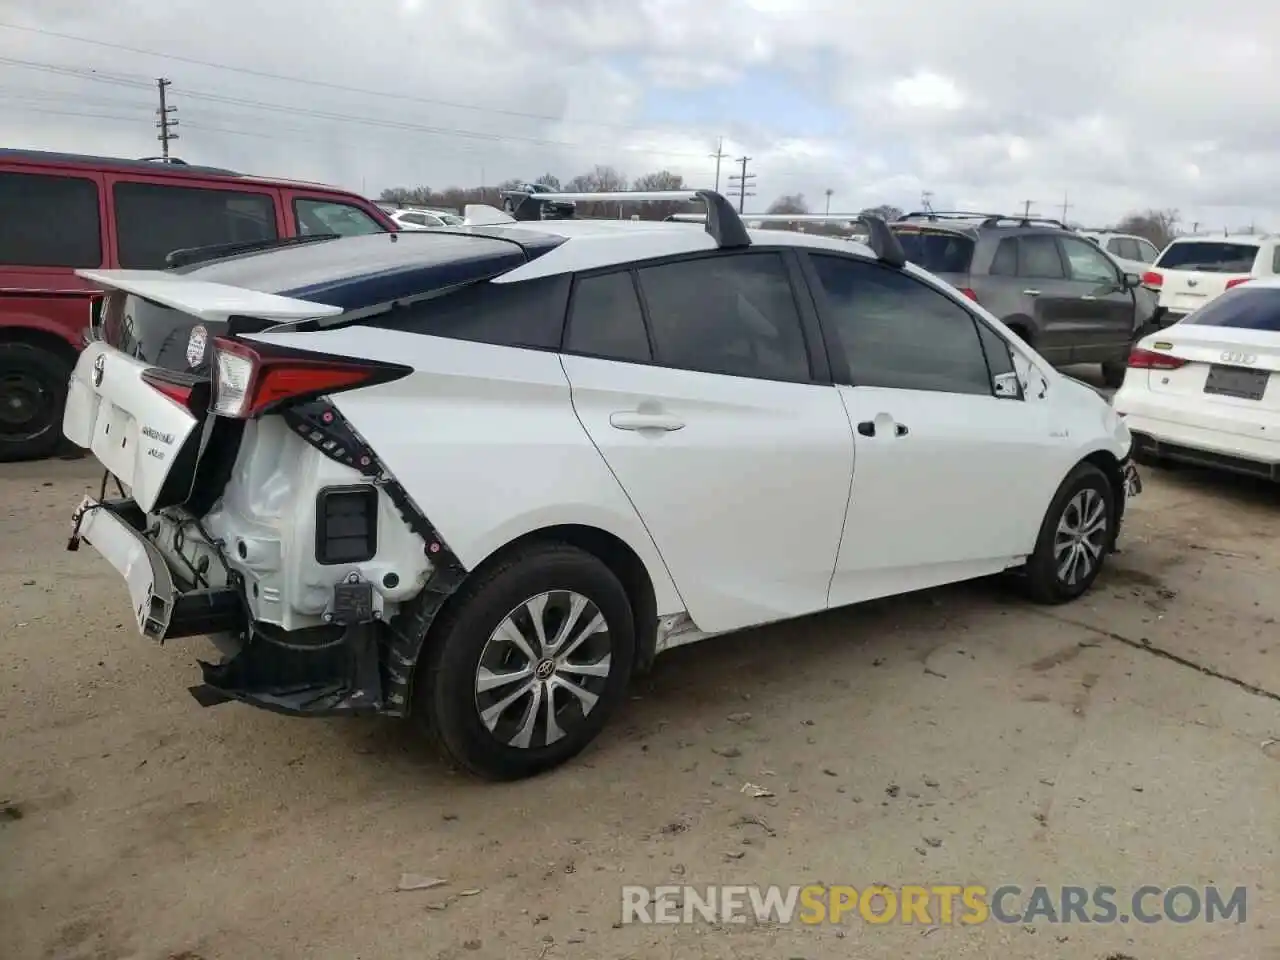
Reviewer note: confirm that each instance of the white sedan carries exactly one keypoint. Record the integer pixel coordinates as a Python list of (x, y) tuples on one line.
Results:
[(1205, 390)]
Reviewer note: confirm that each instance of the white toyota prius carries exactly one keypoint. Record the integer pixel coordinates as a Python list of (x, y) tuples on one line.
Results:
[(480, 476), (1207, 389)]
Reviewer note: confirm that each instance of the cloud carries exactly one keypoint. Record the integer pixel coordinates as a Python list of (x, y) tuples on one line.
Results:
[(875, 100)]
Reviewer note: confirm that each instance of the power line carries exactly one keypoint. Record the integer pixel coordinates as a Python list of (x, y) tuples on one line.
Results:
[(167, 121)]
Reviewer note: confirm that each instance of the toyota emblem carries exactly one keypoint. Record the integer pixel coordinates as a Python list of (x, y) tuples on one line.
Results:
[(99, 368)]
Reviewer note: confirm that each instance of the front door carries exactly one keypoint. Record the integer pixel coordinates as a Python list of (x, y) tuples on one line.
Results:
[(950, 481), (1106, 318), (736, 460)]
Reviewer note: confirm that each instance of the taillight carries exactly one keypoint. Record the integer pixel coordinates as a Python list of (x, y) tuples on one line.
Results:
[(1141, 359), (255, 378), (1236, 281), (187, 391), (969, 293), (1152, 279)]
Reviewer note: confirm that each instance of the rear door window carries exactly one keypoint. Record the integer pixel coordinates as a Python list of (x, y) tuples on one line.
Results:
[(1088, 263), (1147, 252), (155, 219), (1039, 258), (1209, 256), (605, 319), (938, 251), (49, 221), (1244, 308), (329, 216)]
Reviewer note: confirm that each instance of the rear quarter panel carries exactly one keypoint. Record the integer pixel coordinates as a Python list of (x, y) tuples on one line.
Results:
[(486, 442)]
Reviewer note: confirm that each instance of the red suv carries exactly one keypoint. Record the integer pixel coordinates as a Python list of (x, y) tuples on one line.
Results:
[(60, 212)]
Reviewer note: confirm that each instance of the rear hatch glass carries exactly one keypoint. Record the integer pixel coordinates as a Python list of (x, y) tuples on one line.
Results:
[(938, 251), (1209, 256), (1242, 308)]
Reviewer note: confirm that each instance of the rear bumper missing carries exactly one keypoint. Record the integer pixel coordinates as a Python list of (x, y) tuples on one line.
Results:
[(330, 670)]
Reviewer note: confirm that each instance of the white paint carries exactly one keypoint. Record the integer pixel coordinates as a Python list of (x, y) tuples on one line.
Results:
[(212, 302)]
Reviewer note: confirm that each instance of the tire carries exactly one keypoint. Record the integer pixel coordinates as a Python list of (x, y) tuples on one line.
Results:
[(465, 641), (1113, 374), (1084, 487), (33, 394)]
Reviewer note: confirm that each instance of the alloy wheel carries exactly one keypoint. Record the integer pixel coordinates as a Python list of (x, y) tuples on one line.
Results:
[(1081, 537), (543, 669)]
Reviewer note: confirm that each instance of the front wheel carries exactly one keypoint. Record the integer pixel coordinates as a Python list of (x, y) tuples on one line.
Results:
[(1075, 537), (33, 393), (528, 662)]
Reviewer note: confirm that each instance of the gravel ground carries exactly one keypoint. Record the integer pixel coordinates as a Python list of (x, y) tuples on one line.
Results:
[(954, 736)]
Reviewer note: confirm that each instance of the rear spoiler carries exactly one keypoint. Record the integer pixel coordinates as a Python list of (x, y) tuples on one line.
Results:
[(211, 302), (721, 220)]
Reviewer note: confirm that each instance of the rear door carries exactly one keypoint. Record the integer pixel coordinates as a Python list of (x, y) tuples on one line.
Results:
[(709, 406), (154, 216), (1044, 290), (1194, 271), (1105, 321), (1232, 354)]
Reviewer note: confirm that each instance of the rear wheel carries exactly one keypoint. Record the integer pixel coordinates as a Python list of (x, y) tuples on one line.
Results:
[(1113, 373), (33, 393), (528, 662), (1075, 537)]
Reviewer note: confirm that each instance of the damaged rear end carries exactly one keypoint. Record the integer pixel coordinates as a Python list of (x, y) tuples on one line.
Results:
[(249, 509)]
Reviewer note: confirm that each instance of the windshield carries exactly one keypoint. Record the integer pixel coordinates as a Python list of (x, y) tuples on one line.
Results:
[(939, 251), (1209, 256), (1244, 308)]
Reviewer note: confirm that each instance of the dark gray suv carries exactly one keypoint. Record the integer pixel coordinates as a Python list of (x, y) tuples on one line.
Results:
[(1051, 286)]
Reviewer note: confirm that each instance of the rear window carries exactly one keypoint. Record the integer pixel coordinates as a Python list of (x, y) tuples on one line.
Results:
[(1209, 256), (49, 221), (936, 251), (1245, 308), (153, 220), (154, 334)]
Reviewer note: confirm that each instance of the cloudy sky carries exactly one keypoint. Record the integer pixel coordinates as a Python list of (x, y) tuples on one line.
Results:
[(985, 103)]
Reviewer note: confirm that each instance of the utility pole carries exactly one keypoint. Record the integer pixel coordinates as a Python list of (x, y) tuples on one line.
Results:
[(829, 193), (744, 181), (167, 123), (1065, 206), (1026, 208), (717, 157), (926, 200)]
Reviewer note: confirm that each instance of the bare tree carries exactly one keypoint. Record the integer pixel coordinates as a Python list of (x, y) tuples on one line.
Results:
[(1158, 226), (549, 180), (657, 210), (886, 212), (789, 203)]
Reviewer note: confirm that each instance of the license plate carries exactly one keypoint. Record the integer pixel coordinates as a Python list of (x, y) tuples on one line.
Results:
[(1132, 480), (1236, 382)]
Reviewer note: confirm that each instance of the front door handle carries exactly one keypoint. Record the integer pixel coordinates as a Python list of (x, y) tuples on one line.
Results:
[(634, 420), (1088, 296), (1031, 293), (867, 428)]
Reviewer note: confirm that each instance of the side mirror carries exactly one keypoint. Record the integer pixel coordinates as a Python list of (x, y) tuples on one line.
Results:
[(1132, 281), (1006, 386)]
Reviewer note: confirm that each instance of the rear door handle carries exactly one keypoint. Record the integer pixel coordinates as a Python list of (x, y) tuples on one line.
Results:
[(1031, 293), (1088, 296), (633, 420)]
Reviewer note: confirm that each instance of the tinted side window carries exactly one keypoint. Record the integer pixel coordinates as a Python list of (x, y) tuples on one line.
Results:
[(734, 315), (1115, 247), (1038, 257), (999, 357), (1147, 252), (49, 221), (527, 313), (326, 216), (1005, 262), (154, 219), (897, 332), (605, 319), (1130, 249), (1243, 307)]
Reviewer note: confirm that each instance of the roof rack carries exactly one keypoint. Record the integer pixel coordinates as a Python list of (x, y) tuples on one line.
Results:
[(996, 220), (215, 251), (721, 220), (945, 215)]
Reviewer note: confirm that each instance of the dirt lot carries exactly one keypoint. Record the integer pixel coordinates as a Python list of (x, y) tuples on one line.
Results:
[(956, 736)]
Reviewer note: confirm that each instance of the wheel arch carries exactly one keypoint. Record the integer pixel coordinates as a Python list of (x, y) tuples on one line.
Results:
[(47, 339), (1023, 326), (622, 560), (1111, 467)]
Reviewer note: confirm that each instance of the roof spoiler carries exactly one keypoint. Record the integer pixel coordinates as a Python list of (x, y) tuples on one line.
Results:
[(721, 220), (210, 302)]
